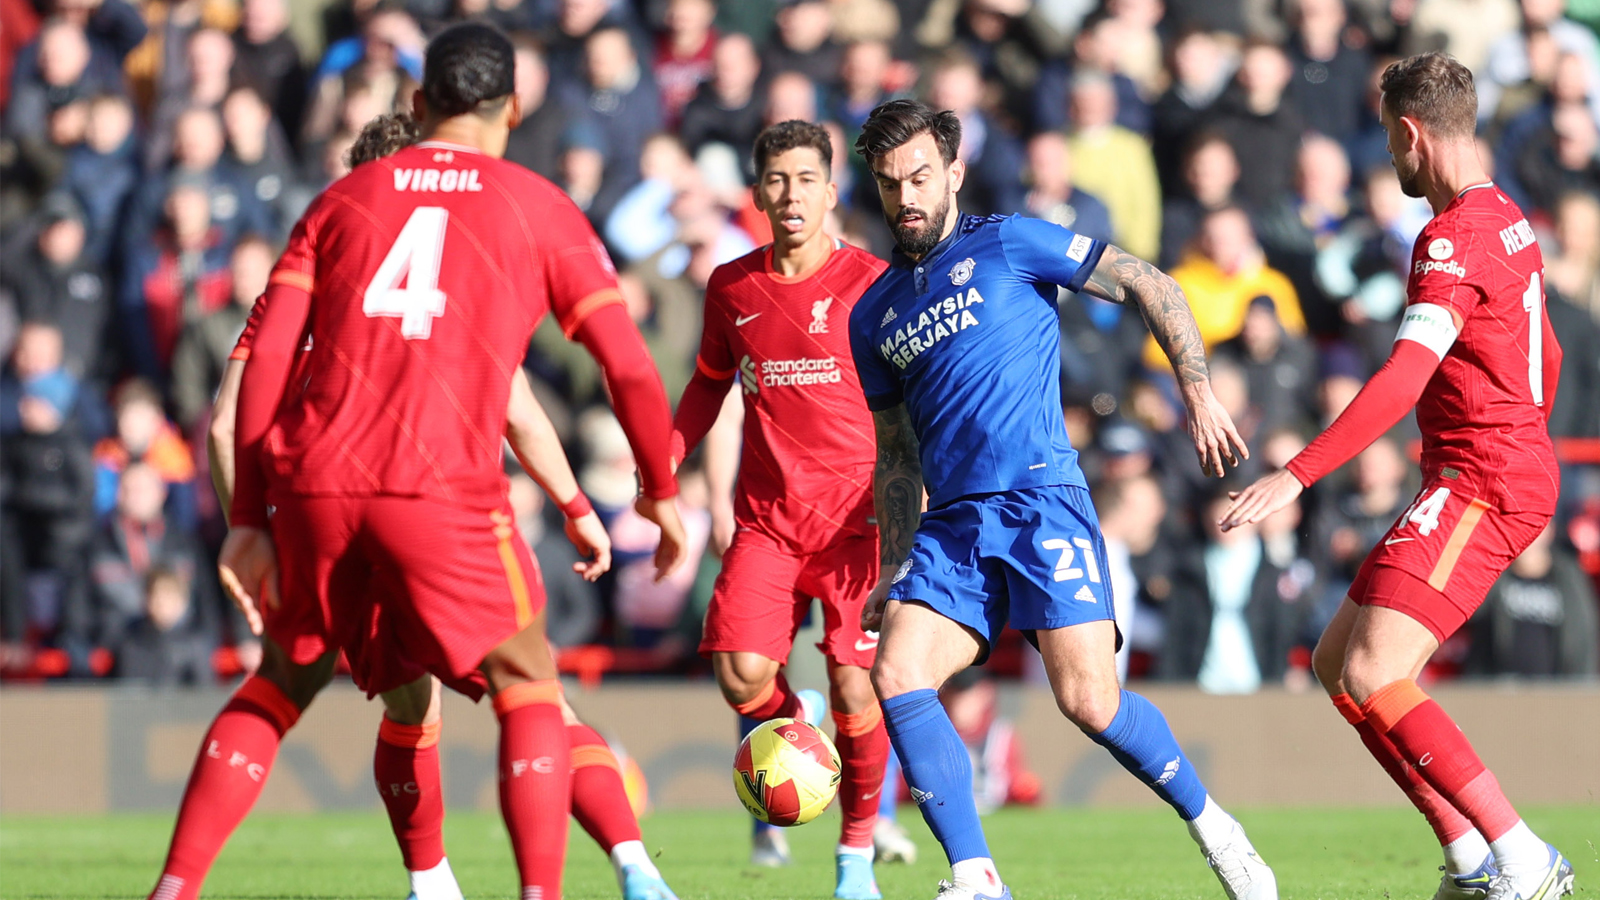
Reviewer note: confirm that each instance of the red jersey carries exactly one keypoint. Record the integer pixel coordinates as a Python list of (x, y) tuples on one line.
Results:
[(805, 475), (428, 271), (1476, 299)]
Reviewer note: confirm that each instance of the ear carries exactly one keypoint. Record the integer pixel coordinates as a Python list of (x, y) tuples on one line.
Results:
[(1413, 132), (957, 173), (833, 195), (513, 111), (419, 106), (756, 197)]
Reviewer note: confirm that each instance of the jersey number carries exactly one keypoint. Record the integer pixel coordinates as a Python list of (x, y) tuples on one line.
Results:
[(1533, 303), (1425, 513), (413, 259), (1065, 570)]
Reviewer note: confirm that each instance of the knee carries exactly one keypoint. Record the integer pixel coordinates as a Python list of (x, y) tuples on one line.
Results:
[(852, 689), (414, 704), (1363, 674), (1091, 707), (300, 684), (740, 680), (891, 678)]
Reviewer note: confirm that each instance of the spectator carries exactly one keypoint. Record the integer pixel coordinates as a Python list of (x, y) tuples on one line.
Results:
[(1564, 157), (386, 60), (267, 60), (1508, 63), (1464, 28), (1576, 409), (1052, 195), (57, 284), (727, 109), (1296, 226), (1095, 50), (616, 96), (158, 68), (173, 277), (48, 498), (1361, 274), (1568, 86), (992, 157), (143, 435), (1573, 268), (863, 84), (70, 61), (1210, 179), (208, 62), (1115, 165), (572, 604), (1131, 510), (642, 222), (1262, 123), (1222, 274), (1354, 518), (581, 168), (1138, 45), (1011, 42), (1539, 619), (1330, 80), (259, 158), (135, 540), (208, 341), (1278, 367), (803, 42), (683, 51), (164, 647), (1201, 69), (565, 42), (199, 142), (648, 608), (536, 142), (790, 95), (19, 25), (103, 172)]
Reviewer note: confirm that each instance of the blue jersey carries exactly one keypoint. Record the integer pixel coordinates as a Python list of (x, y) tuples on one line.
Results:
[(967, 338)]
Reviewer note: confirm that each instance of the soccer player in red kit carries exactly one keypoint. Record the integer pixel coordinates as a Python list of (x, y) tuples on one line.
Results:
[(378, 468), (775, 326), (1477, 357), (406, 755)]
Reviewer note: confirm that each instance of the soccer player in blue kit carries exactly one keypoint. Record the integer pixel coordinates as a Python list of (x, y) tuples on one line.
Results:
[(957, 346)]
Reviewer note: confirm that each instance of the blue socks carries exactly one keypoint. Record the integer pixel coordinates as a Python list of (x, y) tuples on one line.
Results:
[(1141, 740), (939, 771)]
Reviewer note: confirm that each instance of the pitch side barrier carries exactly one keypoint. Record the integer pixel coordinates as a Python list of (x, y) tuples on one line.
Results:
[(90, 750)]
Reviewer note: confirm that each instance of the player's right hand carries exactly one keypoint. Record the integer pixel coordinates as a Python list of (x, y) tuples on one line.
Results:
[(872, 610), (248, 569), (594, 545), (674, 547), (1216, 440)]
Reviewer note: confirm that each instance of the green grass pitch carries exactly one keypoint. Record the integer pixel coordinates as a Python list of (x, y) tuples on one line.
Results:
[(1056, 854)]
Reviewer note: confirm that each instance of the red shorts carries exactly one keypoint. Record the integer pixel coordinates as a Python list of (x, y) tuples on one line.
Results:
[(1439, 559), (765, 589), (404, 585)]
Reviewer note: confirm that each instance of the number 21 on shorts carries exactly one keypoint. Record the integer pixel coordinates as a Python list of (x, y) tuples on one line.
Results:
[(1066, 568), (1425, 512)]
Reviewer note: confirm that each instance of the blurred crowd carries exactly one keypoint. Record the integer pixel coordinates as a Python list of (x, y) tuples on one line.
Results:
[(153, 157)]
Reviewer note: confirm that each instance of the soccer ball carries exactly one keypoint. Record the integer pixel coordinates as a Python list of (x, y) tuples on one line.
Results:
[(786, 772)]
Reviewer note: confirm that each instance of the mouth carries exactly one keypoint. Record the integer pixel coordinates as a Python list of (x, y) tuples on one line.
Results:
[(793, 224), (911, 220)]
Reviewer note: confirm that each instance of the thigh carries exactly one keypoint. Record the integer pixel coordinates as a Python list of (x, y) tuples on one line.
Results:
[(921, 647), (755, 606), (1386, 644), (1048, 542), (841, 577), (454, 583), (946, 573), (1081, 662)]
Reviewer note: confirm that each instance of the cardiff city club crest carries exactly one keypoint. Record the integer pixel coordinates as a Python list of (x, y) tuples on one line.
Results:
[(962, 273)]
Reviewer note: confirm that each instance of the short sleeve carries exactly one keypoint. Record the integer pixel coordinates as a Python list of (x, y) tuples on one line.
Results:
[(1045, 253), (879, 382), (577, 268), (1442, 275), (715, 359)]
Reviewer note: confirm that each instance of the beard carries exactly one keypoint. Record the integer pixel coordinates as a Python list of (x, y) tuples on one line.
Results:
[(1410, 181), (914, 240)]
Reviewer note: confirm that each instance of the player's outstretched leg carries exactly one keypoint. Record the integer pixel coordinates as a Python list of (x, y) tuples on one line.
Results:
[(235, 758), (753, 684), (1081, 663), (863, 744), (405, 764), (600, 804), (1468, 863), (535, 758), (919, 649), (1386, 650)]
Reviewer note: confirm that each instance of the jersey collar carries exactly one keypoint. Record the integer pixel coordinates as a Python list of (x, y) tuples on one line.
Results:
[(1473, 187), (448, 145)]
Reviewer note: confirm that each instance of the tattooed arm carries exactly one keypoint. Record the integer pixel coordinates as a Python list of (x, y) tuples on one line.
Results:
[(897, 499), (1124, 278)]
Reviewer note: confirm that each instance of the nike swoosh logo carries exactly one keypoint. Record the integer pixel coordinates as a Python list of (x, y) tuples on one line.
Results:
[(741, 320), (873, 794), (1397, 541), (865, 645)]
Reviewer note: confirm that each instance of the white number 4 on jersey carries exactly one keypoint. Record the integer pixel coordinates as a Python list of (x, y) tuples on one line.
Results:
[(414, 258)]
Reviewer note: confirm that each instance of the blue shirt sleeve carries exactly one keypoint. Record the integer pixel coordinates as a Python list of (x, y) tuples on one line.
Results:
[(1045, 253), (878, 379)]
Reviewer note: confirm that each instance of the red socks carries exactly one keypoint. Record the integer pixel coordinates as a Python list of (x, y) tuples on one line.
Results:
[(599, 799), (776, 701), (228, 775), (863, 744), (406, 766), (1427, 739), (535, 783), (1448, 823)]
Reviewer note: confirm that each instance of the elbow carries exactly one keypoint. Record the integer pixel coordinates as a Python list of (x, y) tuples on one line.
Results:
[(220, 433)]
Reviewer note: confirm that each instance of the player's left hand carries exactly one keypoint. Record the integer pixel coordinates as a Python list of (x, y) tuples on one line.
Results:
[(248, 569), (674, 547), (1268, 495), (594, 545), (872, 610), (1211, 428)]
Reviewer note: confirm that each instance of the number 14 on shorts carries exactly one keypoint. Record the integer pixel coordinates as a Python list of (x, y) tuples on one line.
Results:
[(1424, 513)]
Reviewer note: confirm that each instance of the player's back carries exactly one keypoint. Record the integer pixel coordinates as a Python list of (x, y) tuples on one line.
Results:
[(1482, 414), (428, 271)]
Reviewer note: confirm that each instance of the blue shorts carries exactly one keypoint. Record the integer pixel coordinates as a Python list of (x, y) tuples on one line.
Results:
[(1033, 558)]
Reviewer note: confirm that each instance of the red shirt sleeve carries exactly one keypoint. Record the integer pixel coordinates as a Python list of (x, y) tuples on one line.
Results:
[(261, 390), (714, 368), (247, 338), (577, 268), (636, 393), (295, 267), (1381, 403)]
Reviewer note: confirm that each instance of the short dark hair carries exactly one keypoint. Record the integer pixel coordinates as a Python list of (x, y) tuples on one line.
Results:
[(381, 137), (469, 67), (1436, 90), (893, 123), (793, 134)]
